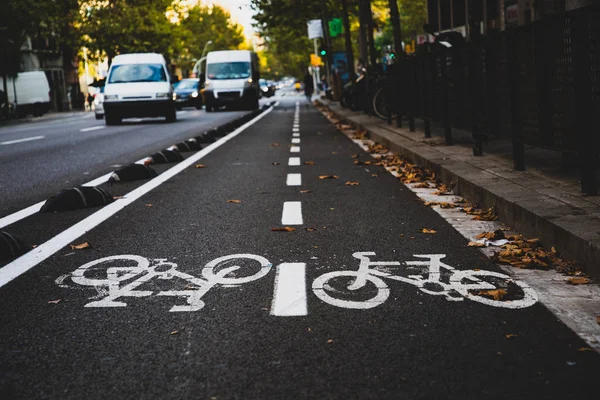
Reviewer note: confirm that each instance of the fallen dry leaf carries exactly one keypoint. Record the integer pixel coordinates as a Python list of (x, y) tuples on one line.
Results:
[(200, 166), (308, 163), (598, 319), (275, 163), (283, 229), (352, 183), (275, 145), (375, 175), (118, 197), (334, 152), (311, 229), (355, 156), (81, 246), (305, 191), (148, 205), (580, 280), (496, 294), (55, 301), (330, 341), (148, 161), (234, 201), (585, 349), (476, 244), (511, 335), (425, 230), (422, 185), (328, 176), (177, 332)]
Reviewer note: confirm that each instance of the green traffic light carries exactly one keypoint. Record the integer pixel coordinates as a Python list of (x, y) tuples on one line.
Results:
[(323, 52)]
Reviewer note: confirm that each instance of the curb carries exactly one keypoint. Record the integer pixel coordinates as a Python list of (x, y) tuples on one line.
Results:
[(568, 228)]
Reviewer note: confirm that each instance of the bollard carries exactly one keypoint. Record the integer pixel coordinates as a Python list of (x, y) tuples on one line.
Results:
[(445, 110), (515, 120)]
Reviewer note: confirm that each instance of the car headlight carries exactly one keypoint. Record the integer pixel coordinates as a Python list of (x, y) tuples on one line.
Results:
[(162, 95), (111, 97), (194, 94), (174, 96)]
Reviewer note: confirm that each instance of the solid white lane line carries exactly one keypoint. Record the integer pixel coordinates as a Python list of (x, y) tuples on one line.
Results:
[(92, 128), (34, 257), (295, 149), (289, 299), (296, 134), (292, 213), (294, 179), (26, 212), (294, 161), (296, 141), (29, 139)]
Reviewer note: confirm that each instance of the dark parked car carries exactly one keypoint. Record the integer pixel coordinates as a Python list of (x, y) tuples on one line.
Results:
[(266, 88), (188, 94)]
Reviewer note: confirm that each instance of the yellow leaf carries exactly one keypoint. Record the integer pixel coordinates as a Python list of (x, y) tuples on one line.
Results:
[(234, 201), (496, 294), (283, 229), (580, 280), (425, 230), (476, 244), (200, 166), (447, 205), (511, 335), (308, 163), (84, 245), (585, 349), (328, 177), (352, 183)]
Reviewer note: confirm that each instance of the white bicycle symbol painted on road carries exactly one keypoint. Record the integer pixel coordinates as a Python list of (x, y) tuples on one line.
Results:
[(471, 284), (139, 270), (118, 277)]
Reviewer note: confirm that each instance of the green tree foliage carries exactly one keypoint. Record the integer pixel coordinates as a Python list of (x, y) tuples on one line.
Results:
[(200, 24)]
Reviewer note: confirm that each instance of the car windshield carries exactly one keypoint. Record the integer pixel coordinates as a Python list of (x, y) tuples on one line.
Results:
[(191, 84), (230, 70), (137, 73)]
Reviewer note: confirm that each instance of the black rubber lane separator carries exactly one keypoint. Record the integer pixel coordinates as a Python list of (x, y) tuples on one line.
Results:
[(132, 172), (165, 157), (11, 246), (77, 198)]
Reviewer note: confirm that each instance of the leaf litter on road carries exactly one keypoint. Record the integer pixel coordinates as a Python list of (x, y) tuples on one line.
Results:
[(283, 229), (81, 246), (328, 177), (234, 201)]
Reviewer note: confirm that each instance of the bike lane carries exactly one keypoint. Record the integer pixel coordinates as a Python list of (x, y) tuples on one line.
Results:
[(274, 336)]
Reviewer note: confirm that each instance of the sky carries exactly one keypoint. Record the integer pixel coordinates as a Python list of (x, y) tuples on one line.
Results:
[(240, 12)]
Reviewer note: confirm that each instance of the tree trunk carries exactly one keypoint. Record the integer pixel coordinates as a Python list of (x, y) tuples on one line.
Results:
[(362, 38), (396, 27), (370, 29), (348, 40)]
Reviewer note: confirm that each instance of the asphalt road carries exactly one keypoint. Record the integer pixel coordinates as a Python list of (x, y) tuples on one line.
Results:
[(38, 159), (277, 327)]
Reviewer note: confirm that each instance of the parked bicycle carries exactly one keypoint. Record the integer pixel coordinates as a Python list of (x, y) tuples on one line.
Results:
[(486, 287)]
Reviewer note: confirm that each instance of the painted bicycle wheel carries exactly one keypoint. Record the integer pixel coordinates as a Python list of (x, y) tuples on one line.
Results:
[(110, 270), (233, 269), (373, 293), (493, 289)]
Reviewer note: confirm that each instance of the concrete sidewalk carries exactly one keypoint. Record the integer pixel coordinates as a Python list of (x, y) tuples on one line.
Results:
[(545, 201)]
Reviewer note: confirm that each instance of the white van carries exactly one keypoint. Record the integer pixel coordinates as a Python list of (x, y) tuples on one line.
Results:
[(231, 79), (32, 92), (138, 85)]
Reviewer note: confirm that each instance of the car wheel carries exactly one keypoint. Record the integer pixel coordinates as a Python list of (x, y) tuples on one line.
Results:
[(110, 119), (99, 116), (171, 115)]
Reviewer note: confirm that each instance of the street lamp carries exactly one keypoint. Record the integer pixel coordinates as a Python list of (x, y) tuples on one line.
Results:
[(196, 68)]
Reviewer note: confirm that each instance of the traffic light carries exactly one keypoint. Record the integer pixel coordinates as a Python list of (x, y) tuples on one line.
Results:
[(323, 51)]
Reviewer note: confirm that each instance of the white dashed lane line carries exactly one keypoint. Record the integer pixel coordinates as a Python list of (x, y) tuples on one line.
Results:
[(294, 179), (292, 213), (290, 290), (295, 149), (29, 139), (294, 161), (296, 141), (92, 128)]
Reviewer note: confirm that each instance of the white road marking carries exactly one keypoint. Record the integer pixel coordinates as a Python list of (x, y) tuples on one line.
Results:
[(26, 212), (292, 213), (296, 134), (294, 161), (296, 141), (34, 257), (29, 139), (295, 149), (295, 129), (92, 128), (289, 299), (294, 179)]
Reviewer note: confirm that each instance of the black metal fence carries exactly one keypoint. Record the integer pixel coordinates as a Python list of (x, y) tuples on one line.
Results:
[(537, 84)]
